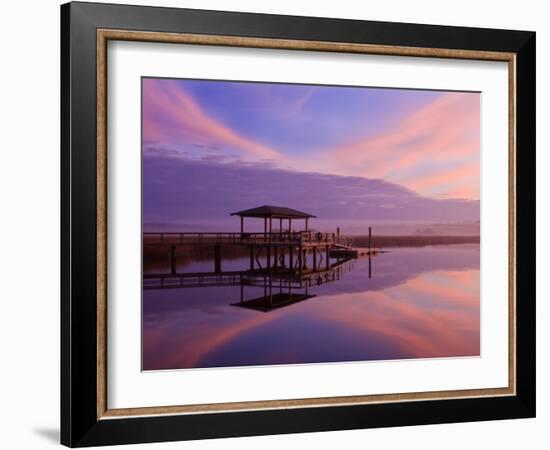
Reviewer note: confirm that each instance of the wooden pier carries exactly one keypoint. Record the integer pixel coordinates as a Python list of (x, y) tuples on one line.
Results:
[(280, 248), (282, 259), (284, 247)]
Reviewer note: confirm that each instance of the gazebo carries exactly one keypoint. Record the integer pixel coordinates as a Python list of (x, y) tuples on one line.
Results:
[(268, 213)]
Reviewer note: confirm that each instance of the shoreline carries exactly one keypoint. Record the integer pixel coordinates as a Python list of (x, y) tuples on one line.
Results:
[(410, 241)]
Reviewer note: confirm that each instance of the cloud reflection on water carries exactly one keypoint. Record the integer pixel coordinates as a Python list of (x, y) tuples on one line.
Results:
[(420, 303)]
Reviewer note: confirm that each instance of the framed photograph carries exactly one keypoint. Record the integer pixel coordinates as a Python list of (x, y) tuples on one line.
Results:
[(277, 224)]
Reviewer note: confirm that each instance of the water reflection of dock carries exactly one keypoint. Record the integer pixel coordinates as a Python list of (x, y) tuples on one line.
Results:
[(280, 287), (275, 301), (257, 278)]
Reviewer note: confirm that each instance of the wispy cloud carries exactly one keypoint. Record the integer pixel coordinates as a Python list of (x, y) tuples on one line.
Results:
[(171, 116), (444, 131), (463, 180)]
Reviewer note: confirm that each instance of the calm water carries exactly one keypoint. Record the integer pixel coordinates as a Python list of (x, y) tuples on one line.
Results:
[(418, 303)]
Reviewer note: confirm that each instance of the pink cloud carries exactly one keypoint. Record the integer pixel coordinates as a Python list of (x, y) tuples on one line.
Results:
[(463, 181), (170, 116), (446, 131)]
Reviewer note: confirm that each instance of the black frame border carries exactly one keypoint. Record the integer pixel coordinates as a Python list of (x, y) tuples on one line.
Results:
[(79, 423)]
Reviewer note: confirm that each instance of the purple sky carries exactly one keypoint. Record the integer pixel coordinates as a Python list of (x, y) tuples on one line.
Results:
[(357, 154)]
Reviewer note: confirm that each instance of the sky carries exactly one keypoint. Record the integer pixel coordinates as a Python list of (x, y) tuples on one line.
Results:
[(348, 152)]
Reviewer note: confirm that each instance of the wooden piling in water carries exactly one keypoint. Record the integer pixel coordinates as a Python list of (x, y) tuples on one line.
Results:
[(370, 237)]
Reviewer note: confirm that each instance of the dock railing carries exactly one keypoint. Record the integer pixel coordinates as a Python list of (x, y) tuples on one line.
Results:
[(284, 237)]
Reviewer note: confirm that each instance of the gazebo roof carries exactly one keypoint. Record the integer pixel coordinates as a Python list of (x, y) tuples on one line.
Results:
[(278, 212)]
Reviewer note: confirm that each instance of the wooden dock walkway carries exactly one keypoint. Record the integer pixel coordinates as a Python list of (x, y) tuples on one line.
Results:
[(276, 249), (282, 260)]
